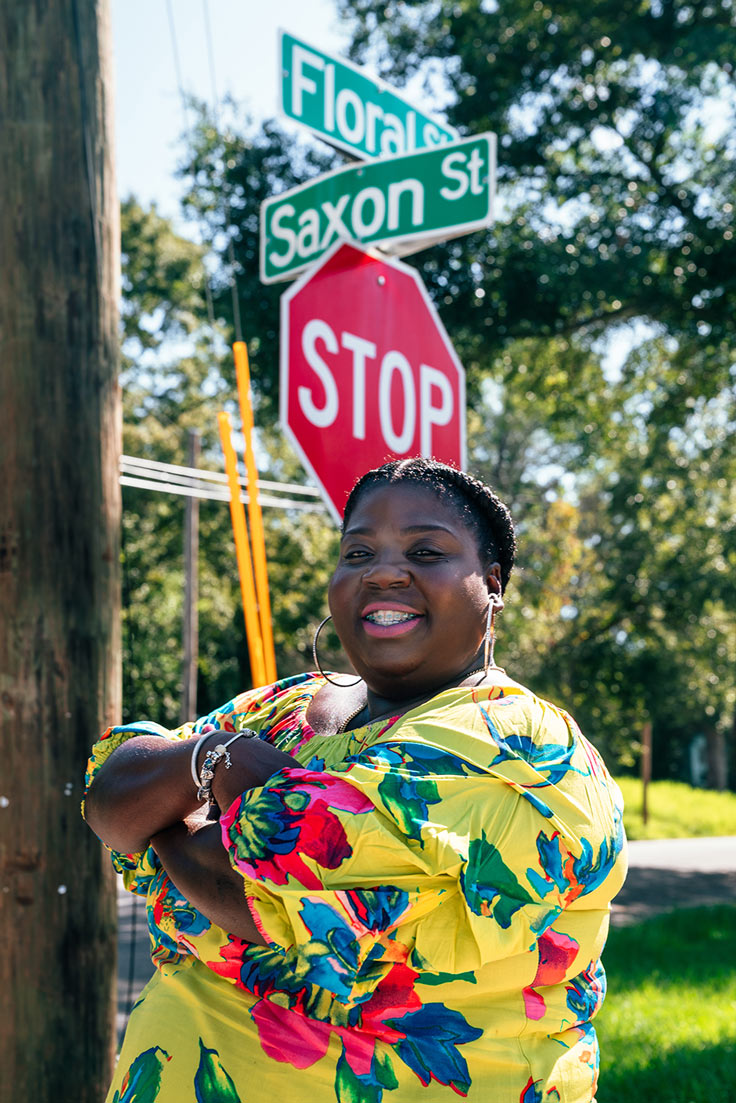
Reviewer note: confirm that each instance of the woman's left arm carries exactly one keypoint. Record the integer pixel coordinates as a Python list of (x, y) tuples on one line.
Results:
[(198, 864)]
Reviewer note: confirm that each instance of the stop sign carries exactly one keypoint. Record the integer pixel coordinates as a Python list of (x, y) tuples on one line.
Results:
[(368, 373)]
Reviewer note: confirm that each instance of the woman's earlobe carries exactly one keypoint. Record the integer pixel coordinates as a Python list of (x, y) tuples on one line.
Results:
[(496, 599)]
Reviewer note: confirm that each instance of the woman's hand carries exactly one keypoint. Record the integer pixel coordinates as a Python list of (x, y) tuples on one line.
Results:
[(196, 861), (146, 785), (253, 762)]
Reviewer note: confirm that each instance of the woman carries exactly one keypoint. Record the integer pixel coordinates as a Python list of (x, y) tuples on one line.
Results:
[(408, 886)]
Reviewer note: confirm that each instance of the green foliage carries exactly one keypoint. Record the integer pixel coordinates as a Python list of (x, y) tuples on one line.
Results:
[(175, 378), (162, 278), (616, 166), (227, 173), (171, 376), (623, 602), (667, 1029), (677, 811)]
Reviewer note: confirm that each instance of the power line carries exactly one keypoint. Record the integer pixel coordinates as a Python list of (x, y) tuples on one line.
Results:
[(266, 500), (158, 466), (210, 54), (177, 66), (197, 482), (237, 325), (185, 116)]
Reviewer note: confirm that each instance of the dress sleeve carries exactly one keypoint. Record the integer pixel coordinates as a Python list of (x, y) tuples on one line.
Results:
[(138, 869), (404, 857)]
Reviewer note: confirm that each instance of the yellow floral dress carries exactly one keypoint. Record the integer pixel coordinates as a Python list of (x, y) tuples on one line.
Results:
[(435, 893)]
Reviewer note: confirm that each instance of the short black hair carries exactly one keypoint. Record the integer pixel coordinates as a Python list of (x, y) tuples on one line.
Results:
[(480, 509)]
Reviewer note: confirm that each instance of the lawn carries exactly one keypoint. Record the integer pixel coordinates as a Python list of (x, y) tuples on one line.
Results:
[(668, 1026), (677, 811)]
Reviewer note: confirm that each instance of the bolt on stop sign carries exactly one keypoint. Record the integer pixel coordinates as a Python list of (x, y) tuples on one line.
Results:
[(368, 373)]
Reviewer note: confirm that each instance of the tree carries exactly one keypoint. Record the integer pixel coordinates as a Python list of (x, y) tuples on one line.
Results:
[(172, 377), (59, 544), (616, 172), (227, 173), (177, 374), (624, 604)]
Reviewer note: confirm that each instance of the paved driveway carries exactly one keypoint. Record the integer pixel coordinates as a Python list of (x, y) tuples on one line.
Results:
[(676, 873)]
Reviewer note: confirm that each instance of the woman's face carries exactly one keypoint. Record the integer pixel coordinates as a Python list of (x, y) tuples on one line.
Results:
[(410, 594)]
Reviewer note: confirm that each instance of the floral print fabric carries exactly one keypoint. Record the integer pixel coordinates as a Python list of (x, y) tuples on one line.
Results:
[(434, 891)]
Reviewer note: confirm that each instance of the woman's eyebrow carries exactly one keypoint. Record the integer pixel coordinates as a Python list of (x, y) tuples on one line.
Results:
[(429, 527), (362, 530)]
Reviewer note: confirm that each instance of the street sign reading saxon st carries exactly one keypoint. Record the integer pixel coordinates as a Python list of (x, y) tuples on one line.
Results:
[(367, 371), (402, 203), (349, 109)]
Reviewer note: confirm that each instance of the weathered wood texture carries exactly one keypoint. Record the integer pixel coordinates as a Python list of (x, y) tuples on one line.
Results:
[(59, 543)]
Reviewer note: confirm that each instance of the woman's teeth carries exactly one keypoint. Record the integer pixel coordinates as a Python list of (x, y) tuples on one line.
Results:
[(389, 616)]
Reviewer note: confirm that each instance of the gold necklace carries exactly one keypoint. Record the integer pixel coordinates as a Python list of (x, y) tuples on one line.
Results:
[(344, 726)]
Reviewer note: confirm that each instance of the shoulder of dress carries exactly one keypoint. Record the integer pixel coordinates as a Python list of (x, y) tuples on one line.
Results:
[(285, 693)]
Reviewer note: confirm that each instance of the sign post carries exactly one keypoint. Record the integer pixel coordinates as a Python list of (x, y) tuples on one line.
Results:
[(349, 109), (401, 203), (368, 372)]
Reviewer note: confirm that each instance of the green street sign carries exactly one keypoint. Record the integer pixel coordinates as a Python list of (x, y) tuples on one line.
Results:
[(341, 104), (403, 204)]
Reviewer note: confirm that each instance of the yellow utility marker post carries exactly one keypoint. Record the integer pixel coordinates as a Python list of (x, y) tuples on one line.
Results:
[(258, 543), (242, 552)]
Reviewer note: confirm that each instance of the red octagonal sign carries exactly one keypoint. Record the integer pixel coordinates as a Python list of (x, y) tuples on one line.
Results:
[(368, 373)]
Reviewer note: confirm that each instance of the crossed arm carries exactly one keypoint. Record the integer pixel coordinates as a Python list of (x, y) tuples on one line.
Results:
[(144, 796)]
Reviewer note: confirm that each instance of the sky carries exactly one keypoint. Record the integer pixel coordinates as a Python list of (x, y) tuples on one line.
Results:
[(243, 36)]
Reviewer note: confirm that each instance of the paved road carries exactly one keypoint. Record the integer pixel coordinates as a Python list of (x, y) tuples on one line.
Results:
[(134, 957), (663, 874), (676, 873)]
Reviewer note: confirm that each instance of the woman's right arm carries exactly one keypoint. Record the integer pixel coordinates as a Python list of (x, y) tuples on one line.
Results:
[(146, 785)]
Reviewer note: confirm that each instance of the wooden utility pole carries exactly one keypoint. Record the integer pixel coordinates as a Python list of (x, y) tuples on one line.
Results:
[(190, 625), (646, 768), (59, 543)]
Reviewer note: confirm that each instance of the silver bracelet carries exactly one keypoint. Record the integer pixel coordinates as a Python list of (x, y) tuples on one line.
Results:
[(195, 753), (212, 760)]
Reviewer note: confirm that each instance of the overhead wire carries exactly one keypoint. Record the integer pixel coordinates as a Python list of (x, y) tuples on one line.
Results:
[(185, 118), (237, 325), (158, 466), (172, 479), (210, 53), (177, 66), (197, 482)]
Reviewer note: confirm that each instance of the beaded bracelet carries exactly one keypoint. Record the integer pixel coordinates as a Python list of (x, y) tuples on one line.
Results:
[(212, 760)]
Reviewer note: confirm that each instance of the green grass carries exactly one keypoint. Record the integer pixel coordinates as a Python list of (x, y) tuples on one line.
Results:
[(677, 811), (667, 1029)]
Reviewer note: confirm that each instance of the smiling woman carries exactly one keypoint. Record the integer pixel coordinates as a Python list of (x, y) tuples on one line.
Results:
[(402, 884), (410, 572)]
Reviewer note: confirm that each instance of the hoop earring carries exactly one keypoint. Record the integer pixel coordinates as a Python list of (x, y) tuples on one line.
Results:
[(489, 639), (342, 685)]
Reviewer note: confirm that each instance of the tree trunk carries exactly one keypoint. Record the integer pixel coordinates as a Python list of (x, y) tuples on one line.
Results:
[(717, 758), (59, 543)]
